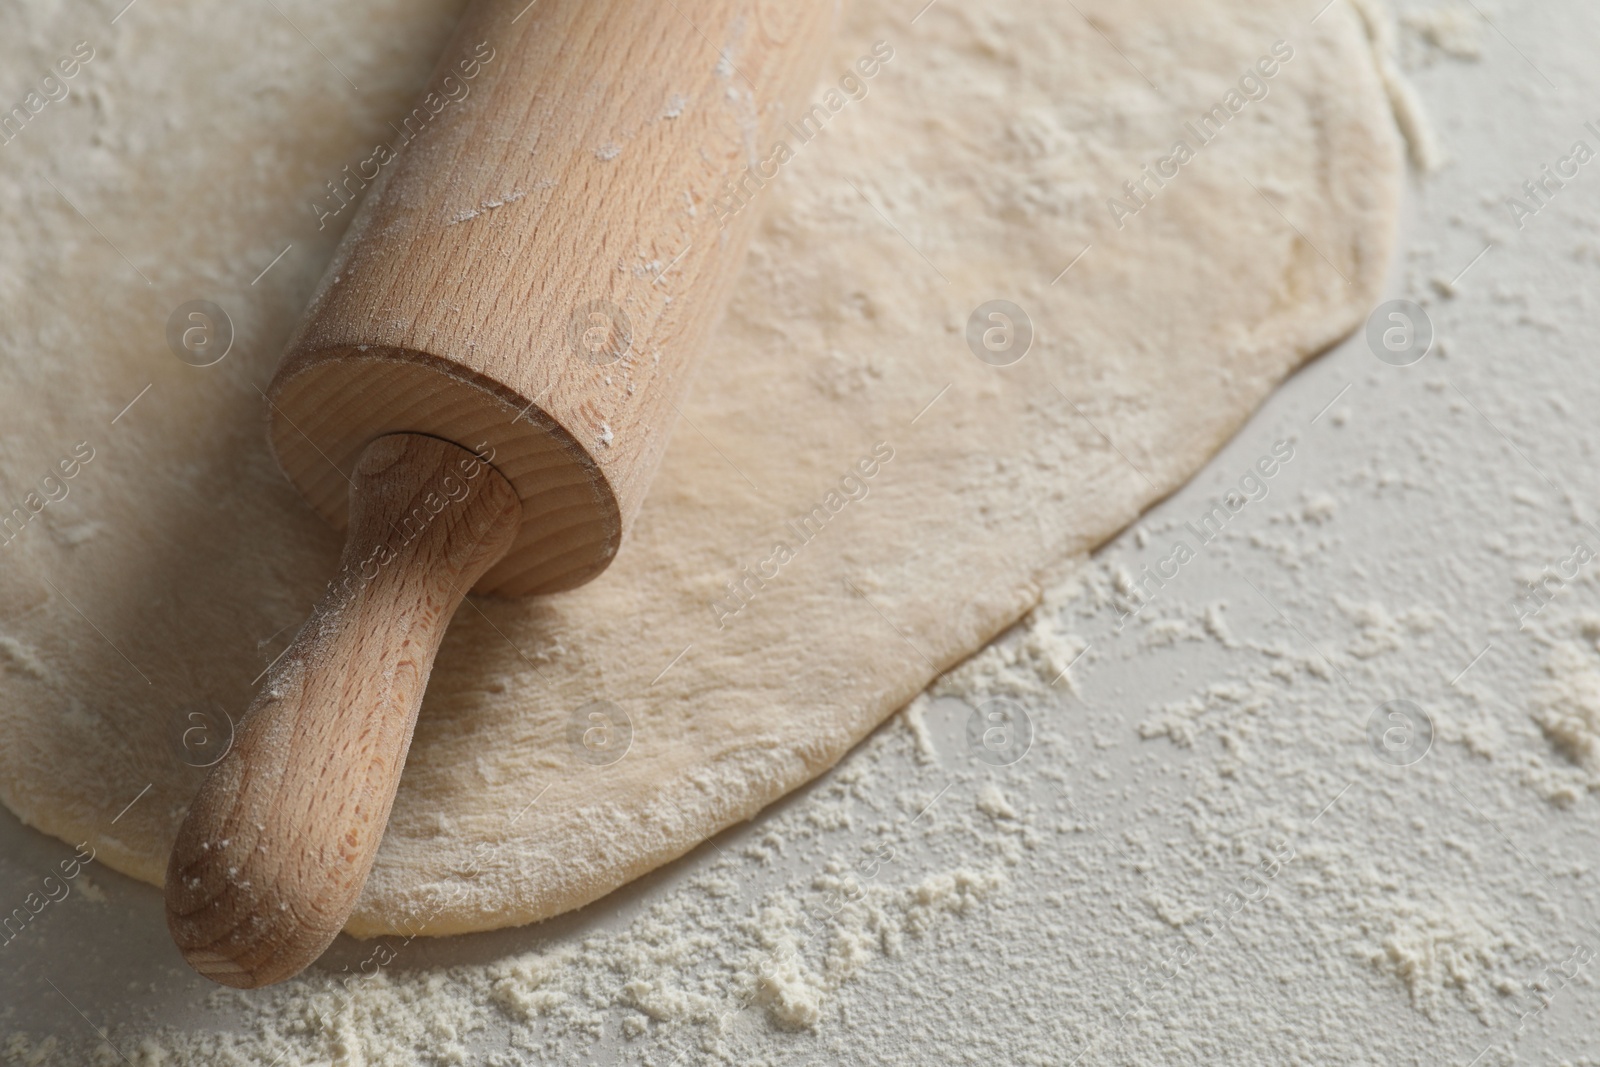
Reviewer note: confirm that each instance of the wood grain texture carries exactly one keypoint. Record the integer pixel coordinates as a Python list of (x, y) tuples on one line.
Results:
[(278, 842), (537, 265)]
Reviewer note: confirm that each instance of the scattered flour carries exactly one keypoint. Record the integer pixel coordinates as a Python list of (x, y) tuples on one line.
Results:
[(1456, 30), (15, 655), (486, 206)]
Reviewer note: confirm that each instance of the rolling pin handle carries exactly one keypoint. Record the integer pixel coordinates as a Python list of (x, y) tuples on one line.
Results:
[(272, 856)]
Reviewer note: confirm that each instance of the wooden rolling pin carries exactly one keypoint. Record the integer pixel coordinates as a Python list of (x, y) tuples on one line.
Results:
[(480, 393)]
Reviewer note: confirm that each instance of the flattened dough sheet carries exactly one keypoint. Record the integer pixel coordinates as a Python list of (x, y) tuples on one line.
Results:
[(978, 166)]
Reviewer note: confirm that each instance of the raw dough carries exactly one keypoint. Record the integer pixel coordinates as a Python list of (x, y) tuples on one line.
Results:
[(978, 166)]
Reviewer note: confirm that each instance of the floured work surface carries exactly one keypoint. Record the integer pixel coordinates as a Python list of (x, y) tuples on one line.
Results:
[(897, 499)]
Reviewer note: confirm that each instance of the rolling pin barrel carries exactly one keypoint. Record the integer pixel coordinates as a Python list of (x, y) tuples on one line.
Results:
[(481, 390), (541, 259)]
